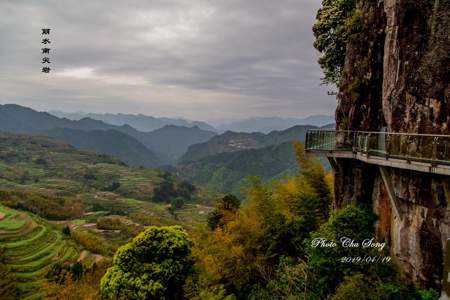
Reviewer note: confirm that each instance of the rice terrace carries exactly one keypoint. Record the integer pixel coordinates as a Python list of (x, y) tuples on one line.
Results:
[(31, 247)]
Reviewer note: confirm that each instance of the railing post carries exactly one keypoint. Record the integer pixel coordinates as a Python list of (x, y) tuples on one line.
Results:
[(388, 145), (367, 144), (434, 154), (306, 140)]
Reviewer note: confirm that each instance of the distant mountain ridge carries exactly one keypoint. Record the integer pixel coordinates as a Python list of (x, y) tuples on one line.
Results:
[(139, 121), (19, 119), (237, 141), (224, 162), (268, 124), (110, 142), (171, 141)]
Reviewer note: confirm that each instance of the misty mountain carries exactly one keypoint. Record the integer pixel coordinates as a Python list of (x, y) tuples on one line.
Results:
[(171, 141), (140, 122), (85, 134), (19, 119), (168, 143), (269, 124), (236, 141), (110, 142)]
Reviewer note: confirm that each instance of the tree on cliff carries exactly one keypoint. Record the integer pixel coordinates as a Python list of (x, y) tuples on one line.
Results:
[(335, 21), (153, 266)]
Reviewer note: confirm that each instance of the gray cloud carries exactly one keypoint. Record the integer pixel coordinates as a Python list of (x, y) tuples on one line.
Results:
[(201, 59)]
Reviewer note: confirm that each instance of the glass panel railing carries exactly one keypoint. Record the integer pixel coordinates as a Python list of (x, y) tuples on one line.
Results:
[(408, 146)]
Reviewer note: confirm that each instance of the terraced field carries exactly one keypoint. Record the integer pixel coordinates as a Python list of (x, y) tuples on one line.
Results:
[(31, 247)]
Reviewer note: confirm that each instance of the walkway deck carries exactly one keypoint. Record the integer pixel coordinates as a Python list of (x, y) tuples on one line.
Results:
[(417, 152)]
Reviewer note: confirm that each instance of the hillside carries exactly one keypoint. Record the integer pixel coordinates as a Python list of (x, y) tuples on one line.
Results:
[(59, 204), (237, 141), (226, 172), (170, 141), (31, 247), (48, 165), (163, 145), (139, 121), (110, 142), (269, 124)]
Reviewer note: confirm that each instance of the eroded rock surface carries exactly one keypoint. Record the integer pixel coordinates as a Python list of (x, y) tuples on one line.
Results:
[(397, 77)]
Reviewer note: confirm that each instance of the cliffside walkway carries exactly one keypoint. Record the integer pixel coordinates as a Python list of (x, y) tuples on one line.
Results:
[(428, 153)]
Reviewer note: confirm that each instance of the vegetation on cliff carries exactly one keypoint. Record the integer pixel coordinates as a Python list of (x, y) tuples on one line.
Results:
[(335, 21)]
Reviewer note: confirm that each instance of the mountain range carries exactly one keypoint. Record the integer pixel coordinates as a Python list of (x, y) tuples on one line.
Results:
[(149, 123), (224, 162), (226, 172), (237, 141), (149, 149), (139, 121), (268, 124), (220, 162)]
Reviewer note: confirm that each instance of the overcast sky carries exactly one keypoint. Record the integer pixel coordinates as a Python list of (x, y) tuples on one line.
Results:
[(198, 59)]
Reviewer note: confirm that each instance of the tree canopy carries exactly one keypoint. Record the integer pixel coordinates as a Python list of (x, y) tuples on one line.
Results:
[(154, 265), (335, 21)]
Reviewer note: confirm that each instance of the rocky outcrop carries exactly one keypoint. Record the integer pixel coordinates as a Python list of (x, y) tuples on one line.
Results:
[(397, 78)]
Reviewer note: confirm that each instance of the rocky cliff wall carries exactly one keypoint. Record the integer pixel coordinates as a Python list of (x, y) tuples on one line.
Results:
[(397, 77)]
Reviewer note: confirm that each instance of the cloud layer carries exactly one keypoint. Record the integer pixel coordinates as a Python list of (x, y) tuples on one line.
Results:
[(200, 59)]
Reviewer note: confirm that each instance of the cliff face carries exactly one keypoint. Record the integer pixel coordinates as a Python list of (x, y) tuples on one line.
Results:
[(397, 78)]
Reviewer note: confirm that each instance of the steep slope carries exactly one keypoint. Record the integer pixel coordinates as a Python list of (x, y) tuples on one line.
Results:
[(31, 246), (226, 172), (110, 142), (397, 78), (237, 141), (140, 122), (172, 141)]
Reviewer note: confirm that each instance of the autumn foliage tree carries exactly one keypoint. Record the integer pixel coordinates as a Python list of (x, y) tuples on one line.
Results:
[(243, 246)]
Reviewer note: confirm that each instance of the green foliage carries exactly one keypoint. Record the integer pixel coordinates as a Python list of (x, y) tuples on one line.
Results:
[(76, 269), (288, 282), (336, 20), (168, 189), (29, 251), (92, 242), (227, 172), (226, 206), (177, 203), (352, 222), (330, 275), (246, 244), (153, 266), (185, 189), (66, 230), (8, 289), (47, 205), (429, 294)]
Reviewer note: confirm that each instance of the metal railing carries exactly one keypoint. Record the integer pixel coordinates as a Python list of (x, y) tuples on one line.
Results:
[(431, 148)]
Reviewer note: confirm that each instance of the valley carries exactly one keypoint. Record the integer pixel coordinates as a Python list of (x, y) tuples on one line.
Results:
[(60, 206)]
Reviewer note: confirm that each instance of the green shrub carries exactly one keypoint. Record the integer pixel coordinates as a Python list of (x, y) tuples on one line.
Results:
[(153, 266)]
